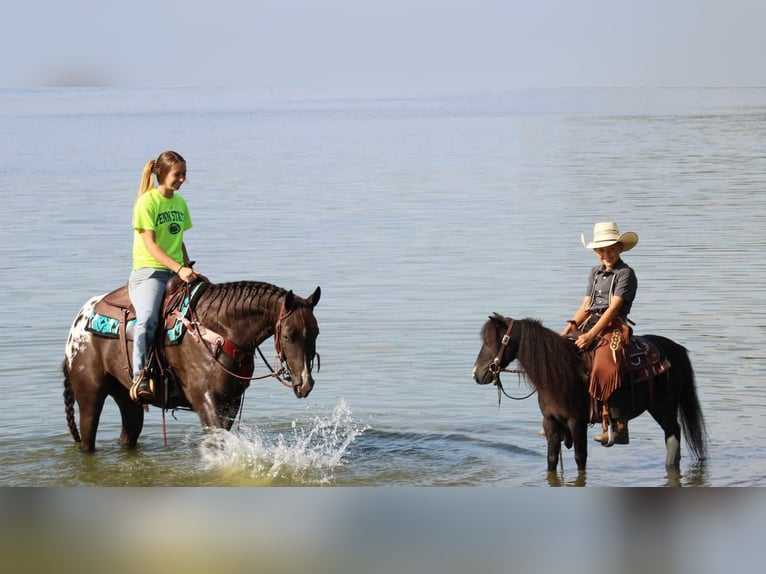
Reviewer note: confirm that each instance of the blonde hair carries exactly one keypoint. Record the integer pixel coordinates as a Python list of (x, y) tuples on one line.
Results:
[(159, 167)]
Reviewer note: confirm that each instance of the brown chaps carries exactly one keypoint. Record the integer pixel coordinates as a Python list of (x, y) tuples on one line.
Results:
[(610, 360)]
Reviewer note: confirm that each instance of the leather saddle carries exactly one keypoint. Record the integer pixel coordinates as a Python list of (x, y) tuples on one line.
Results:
[(115, 310)]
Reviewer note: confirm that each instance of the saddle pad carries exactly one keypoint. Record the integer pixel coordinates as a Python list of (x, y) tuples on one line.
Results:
[(104, 326)]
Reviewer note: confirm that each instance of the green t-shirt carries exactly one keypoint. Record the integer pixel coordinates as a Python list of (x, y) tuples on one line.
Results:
[(168, 218)]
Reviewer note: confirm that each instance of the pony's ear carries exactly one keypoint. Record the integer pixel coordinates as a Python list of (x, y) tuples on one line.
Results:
[(289, 301), (313, 299), (498, 317)]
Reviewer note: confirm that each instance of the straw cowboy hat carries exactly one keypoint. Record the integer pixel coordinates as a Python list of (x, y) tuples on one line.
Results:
[(607, 233)]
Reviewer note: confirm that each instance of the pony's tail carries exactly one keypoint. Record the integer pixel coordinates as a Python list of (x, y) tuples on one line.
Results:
[(692, 421), (69, 403)]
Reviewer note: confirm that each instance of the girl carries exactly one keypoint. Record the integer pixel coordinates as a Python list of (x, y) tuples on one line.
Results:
[(160, 218)]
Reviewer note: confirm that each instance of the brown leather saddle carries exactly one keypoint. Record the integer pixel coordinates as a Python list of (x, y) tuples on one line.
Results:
[(113, 315)]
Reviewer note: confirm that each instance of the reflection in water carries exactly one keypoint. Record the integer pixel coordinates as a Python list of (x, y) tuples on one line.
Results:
[(558, 479)]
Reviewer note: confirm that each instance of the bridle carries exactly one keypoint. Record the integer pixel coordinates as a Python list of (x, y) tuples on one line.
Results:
[(284, 369), (495, 369), (215, 344)]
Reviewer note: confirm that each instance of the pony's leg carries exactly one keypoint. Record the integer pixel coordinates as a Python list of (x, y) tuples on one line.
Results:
[(673, 456), (579, 431), (554, 451), (132, 414), (553, 436), (664, 410)]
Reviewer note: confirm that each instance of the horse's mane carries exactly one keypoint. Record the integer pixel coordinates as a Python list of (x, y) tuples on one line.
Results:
[(549, 360), (239, 298)]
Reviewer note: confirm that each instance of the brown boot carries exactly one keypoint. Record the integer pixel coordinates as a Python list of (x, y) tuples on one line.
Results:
[(602, 437), (621, 431)]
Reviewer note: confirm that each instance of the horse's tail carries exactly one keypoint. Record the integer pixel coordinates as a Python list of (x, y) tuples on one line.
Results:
[(69, 403), (692, 421)]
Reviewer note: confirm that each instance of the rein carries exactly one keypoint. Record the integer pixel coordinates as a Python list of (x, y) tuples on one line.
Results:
[(501, 389), (495, 369), (214, 344)]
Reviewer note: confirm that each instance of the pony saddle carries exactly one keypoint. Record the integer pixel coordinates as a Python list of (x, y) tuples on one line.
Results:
[(115, 310), (645, 361)]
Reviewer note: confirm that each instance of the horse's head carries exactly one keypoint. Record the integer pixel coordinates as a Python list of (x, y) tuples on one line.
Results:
[(295, 340), (498, 349)]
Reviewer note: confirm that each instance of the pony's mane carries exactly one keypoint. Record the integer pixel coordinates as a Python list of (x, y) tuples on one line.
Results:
[(548, 359)]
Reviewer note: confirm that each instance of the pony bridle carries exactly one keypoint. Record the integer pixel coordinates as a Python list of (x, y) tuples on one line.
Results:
[(495, 369), (494, 366)]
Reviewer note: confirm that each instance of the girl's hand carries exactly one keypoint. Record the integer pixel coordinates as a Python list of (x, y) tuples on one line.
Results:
[(187, 274)]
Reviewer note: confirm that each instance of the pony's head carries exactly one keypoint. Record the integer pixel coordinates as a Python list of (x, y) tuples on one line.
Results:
[(295, 340), (499, 347)]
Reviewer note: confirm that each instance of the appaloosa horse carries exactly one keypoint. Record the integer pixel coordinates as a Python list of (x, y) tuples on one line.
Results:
[(211, 366), (554, 368)]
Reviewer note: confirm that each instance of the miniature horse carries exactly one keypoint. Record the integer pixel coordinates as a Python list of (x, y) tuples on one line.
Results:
[(209, 379), (553, 366)]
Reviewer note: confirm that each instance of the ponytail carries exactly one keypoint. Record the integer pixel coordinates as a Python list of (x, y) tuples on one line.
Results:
[(146, 178), (160, 167)]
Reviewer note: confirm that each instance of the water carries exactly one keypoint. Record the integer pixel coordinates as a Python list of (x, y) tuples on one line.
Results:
[(418, 216)]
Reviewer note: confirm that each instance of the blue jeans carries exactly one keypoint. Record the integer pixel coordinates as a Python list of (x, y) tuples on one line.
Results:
[(147, 288)]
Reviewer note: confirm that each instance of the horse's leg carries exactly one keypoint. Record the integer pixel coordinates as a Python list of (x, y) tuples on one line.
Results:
[(132, 414), (90, 396), (229, 413), (215, 400), (213, 410), (208, 408)]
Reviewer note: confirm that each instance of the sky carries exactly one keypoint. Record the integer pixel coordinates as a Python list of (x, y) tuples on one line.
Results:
[(305, 45)]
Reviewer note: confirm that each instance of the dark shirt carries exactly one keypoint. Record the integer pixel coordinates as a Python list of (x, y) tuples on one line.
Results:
[(602, 285)]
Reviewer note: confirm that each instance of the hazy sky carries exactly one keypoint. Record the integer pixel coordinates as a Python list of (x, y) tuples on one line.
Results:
[(370, 45)]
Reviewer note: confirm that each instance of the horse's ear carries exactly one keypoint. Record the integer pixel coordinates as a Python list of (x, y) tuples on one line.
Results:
[(313, 299), (289, 301), (498, 317)]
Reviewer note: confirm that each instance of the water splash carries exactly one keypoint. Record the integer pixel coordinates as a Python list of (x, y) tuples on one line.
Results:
[(309, 454)]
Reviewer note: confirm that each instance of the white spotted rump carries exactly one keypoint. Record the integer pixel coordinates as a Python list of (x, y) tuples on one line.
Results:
[(78, 336)]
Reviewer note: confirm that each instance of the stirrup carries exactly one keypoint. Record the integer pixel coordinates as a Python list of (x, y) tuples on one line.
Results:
[(613, 436), (141, 389)]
